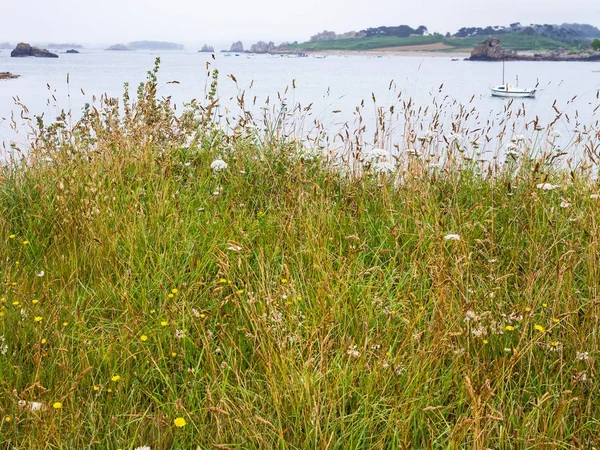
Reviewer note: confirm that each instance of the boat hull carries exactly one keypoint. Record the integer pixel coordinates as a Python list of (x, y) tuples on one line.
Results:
[(513, 93)]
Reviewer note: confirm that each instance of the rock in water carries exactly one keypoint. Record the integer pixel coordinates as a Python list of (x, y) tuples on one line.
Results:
[(207, 49), (72, 51), (118, 48), (237, 47), (7, 76), (488, 50), (22, 49)]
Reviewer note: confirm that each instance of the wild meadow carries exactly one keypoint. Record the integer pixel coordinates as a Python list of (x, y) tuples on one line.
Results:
[(202, 280)]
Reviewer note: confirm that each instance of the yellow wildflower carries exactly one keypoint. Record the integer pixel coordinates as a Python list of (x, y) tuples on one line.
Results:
[(170, 295), (174, 291), (179, 422), (485, 341), (65, 324), (96, 388), (25, 242), (12, 236), (143, 338), (283, 280), (57, 405), (555, 320), (223, 280), (539, 328), (115, 378), (7, 419), (35, 301), (38, 318), (44, 341), (164, 323), (509, 328)]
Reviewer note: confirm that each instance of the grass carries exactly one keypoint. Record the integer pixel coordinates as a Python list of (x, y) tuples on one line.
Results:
[(512, 41), (369, 43), (516, 41), (293, 299)]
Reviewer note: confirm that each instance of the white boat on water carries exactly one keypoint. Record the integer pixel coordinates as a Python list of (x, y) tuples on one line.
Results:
[(510, 91)]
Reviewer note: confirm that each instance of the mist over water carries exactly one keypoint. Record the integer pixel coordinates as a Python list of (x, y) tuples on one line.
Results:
[(334, 85)]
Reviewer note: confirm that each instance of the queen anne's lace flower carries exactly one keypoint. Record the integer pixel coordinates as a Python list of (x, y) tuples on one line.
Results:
[(384, 167), (452, 237), (547, 186), (376, 154), (218, 165)]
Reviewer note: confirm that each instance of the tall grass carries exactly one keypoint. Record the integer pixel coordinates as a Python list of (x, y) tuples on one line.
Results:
[(413, 296)]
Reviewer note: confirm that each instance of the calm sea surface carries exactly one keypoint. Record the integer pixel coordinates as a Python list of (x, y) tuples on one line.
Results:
[(334, 83)]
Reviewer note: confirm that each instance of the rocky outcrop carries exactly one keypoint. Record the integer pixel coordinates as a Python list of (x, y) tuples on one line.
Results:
[(117, 48), (72, 51), (207, 49), (22, 50), (489, 50), (7, 76), (237, 47), (263, 47)]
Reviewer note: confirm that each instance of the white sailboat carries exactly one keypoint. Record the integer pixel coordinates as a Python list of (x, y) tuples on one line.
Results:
[(509, 91)]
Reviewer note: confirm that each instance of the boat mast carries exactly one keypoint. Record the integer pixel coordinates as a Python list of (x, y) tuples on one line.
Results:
[(503, 66)]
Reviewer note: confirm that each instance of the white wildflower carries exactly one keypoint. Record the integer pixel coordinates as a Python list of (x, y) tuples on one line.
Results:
[(3, 346), (218, 165), (583, 356), (478, 332), (547, 186), (452, 237), (470, 315), (41, 273), (594, 196), (512, 150), (384, 167), (187, 164), (564, 204), (179, 334), (33, 406), (143, 447), (376, 154), (352, 351), (234, 248)]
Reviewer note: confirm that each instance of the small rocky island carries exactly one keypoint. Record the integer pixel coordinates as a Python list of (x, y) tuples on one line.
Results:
[(207, 49), (118, 48), (7, 76), (23, 50), (72, 50), (492, 50)]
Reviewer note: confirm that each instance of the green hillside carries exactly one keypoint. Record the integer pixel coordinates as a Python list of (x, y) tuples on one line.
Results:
[(514, 41)]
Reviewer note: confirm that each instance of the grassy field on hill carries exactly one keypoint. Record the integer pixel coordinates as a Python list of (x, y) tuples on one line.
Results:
[(514, 41), (170, 282), (369, 43)]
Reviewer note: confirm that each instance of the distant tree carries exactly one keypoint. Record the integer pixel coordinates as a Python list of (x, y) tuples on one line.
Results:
[(596, 44)]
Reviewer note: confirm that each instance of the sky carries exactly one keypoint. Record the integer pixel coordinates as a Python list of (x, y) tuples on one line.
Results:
[(220, 22)]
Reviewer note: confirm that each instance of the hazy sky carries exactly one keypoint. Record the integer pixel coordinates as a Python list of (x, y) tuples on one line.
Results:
[(220, 22)]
